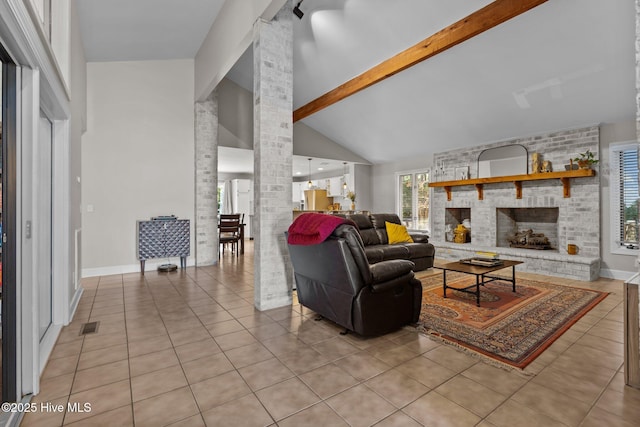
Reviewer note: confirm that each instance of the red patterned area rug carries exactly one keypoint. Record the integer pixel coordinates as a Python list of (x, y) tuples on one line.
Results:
[(511, 328)]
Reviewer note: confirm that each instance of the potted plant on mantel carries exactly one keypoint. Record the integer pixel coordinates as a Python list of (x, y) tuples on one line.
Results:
[(586, 160)]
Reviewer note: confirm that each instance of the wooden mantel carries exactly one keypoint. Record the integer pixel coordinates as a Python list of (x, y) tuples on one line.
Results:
[(564, 177)]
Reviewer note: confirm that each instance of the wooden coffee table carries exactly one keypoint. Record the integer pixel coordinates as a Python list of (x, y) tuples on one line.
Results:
[(481, 274)]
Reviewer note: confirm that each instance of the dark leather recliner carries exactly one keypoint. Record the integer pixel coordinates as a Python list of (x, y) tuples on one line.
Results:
[(335, 279)]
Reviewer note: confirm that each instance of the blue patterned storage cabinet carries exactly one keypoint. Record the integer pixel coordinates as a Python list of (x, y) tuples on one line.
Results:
[(163, 238)]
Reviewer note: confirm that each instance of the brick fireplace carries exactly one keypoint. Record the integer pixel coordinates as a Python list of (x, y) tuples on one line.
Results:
[(573, 220)]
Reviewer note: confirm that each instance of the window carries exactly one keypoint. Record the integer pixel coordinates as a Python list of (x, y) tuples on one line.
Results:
[(413, 199), (220, 197), (629, 198), (625, 199)]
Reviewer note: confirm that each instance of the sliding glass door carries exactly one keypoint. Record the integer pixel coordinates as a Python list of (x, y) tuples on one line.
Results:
[(413, 199), (8, 230)]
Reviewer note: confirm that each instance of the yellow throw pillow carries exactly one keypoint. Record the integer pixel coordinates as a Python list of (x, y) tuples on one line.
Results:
[(397, 233)]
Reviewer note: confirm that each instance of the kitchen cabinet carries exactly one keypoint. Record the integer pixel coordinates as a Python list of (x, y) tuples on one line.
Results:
[(315, 200)]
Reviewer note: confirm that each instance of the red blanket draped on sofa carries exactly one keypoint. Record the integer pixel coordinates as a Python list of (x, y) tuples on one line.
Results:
[(313, 228)]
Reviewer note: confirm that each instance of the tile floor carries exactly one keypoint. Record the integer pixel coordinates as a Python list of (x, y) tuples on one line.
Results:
[(189, 349)]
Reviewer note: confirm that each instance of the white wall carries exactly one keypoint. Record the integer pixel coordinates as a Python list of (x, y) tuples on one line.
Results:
[(235, 115), (617, 266), (363, 189), (137, 156)]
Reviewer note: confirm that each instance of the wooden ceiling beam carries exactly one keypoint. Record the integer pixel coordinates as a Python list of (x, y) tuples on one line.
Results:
[(478, 22)]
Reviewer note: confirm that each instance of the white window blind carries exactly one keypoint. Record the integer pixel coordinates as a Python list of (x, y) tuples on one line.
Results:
[(629, 197)]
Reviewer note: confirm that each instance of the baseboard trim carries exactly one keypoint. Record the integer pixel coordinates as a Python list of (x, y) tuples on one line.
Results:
[(74, 303), (616, 274), (46, 346), (150, 265)]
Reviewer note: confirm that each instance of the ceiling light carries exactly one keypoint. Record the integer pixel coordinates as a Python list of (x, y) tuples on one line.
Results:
[(309, 183), (297, 11)]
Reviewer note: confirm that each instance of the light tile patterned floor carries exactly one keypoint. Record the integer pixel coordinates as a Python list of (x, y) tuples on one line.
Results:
[(189, 349)]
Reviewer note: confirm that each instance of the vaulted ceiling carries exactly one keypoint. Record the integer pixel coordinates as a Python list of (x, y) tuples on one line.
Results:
[(564, 64)]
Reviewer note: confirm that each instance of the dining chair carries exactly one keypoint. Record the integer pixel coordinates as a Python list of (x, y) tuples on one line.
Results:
[(229, 231)]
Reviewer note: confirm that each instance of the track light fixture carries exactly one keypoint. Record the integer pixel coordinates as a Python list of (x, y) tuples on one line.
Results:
[(297, 11)]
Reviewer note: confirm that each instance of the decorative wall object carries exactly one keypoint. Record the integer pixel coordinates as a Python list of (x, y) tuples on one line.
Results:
[(460, 234), (462, 172), (503, 160), (536, 163)]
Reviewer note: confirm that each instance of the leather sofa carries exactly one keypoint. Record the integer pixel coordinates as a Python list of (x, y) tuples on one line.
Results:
[(376, 241), (334, 279)]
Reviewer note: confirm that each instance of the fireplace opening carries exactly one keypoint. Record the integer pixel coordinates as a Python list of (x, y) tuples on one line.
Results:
[(528, 228), (454, 217)]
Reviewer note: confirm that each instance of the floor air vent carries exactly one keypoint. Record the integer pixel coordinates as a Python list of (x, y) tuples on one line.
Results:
[(89, 328)]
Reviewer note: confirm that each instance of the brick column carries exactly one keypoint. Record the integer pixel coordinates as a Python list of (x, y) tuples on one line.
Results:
[(273, 154), (206, 188)]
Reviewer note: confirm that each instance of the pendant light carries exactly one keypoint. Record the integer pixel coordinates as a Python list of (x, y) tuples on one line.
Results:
[(309, 184), (344, 177)]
